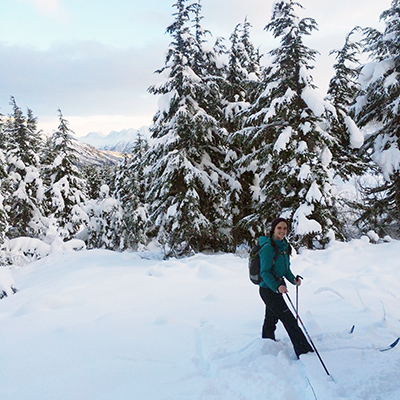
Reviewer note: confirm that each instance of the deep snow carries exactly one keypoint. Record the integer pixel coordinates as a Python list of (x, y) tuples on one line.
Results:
[(99, 325)]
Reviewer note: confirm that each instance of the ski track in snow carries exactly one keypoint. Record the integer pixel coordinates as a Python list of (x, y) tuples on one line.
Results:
[(99, 325)]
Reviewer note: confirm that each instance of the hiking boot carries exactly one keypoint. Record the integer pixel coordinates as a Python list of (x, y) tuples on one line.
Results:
[(271, 337), (304, 351)]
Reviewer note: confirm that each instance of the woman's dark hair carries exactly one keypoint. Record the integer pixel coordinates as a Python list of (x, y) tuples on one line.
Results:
[(275, 222)]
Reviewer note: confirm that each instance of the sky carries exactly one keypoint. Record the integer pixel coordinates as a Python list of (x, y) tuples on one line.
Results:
[(95, 59)]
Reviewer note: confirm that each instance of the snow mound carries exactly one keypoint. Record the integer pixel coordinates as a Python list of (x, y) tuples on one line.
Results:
[(103, 325)]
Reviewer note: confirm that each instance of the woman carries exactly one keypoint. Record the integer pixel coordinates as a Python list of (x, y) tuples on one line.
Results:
[(274, 265)]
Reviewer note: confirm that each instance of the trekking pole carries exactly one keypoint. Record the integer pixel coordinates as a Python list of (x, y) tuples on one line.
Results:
[(309, 338), (297, 303), (297, 298)]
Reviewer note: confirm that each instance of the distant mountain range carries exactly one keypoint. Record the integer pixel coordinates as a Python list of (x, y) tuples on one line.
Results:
[(89, 155), (121, 142)]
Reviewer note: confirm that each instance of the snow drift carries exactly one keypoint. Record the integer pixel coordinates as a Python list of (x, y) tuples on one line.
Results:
[(116, 326)]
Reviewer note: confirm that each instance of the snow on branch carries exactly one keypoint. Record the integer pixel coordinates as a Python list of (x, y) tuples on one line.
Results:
[(301, 224)]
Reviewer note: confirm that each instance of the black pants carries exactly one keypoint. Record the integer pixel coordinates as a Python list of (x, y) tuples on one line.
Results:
[(277, 310)]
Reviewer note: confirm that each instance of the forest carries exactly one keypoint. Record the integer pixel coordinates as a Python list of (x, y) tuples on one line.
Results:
[(239, 139)]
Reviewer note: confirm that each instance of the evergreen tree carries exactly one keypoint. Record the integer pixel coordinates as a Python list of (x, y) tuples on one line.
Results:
[(103, 229), (347, 159), (23, 186), (3, 217), (205, 65), (107, 175), (242, 77), (234, 88), (377, 110), (251, 62), (92, 176), (242, 84), (186, 160), (131, 188), (67, 190), (288, 146)]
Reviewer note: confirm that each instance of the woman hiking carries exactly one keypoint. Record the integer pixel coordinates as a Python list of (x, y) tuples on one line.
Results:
[(274, 265)]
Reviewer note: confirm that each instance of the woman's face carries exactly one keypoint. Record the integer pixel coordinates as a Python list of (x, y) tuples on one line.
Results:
[(280, 231)]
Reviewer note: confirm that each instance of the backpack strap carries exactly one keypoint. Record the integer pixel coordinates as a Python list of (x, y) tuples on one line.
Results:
[(276, 255), (273, 244), (277, 252)]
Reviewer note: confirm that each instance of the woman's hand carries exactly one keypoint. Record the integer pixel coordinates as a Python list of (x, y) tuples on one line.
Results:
[(297, 280), (282, 289)]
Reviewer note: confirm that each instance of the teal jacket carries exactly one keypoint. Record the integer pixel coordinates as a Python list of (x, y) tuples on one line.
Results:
[(272, 274)]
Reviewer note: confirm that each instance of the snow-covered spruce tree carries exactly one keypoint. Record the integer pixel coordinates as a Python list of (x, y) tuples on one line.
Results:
[(3, 218), (235, 73), (242, 77), (241, 84), (131, 189), (103, 229), (185, 163), (288, 140), (107, 175), (251, 59), (347, 158), (207, 65), (378, 111), (23, 187), (96, 176), (92, 176), (66, 188)]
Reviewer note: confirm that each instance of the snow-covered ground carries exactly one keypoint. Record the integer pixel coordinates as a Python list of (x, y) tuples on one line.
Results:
[(99, 325)]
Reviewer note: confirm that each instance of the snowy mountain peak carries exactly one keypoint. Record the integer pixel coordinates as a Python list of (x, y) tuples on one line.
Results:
[(94, 136), (121, 141)]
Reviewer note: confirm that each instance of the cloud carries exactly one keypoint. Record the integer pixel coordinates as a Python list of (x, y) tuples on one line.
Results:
[(84, 79), (53, 9), (87, 77)]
